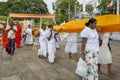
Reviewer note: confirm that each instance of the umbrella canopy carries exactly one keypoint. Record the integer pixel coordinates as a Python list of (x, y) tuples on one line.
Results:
[(107, 23), (71, 26)]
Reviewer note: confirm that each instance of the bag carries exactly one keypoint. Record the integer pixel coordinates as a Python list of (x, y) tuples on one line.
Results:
[(81, 68)]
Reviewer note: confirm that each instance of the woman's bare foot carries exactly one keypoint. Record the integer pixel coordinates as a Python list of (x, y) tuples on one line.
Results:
[(40, 56), (70, 56), (99, 71), (110, 73)]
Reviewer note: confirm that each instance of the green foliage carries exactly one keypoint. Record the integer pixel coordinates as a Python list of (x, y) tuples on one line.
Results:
[(104, 9), (89, 8), (23, 6), (3, 18), (61, 9)]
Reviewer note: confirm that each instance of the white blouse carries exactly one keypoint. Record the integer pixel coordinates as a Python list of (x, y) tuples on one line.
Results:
[(11, 33), (52, 40), (92, 39), (43, 35)]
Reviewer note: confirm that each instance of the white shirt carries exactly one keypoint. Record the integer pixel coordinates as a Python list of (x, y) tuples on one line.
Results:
[(52, 40), (11, 33), (43, 35), (73, 37), (92, 39), (29, 31)]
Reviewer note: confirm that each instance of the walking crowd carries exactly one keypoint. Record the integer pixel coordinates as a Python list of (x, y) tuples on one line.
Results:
[(95, 45)]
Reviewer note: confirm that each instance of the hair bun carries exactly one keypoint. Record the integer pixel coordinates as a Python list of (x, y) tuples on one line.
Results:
[(87, 24)]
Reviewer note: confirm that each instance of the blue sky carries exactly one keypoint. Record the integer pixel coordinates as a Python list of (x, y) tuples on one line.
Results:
[(49, 4)]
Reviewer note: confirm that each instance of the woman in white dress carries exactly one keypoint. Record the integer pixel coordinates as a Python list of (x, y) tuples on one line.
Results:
[(43, 41), (29, 36), (71, 45), (51, 44), (90, 48), (104, 56)]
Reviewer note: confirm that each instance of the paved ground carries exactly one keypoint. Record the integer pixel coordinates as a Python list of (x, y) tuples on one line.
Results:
[(25, 65)]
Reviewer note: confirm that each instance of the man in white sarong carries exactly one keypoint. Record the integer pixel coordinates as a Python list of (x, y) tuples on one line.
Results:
[(43, 41), (51, 44), (29, 36)]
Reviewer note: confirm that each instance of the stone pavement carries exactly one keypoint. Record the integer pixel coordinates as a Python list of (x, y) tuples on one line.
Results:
[(25, 65)]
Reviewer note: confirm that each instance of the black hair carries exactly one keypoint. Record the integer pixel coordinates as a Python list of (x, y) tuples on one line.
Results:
[(50, 26), (91, 20), (43, 25)]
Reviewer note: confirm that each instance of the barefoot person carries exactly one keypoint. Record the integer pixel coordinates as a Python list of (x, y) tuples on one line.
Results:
[(11, 29), (71, 45), (18, 35), (29, 36), (51, 44), (58, 38), (90, 48), (104, 56), (43, 41), (4, 36)]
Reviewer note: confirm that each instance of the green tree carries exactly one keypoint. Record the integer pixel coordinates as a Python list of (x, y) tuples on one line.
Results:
[(23, 6), (61, 9), (89, 8), (103, 7), (3, 7)]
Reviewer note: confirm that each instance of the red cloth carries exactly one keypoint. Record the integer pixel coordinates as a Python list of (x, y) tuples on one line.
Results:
[(4, 37), (18, 36)]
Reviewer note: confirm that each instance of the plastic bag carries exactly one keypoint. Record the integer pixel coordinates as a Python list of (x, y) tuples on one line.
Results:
[(81, 68)]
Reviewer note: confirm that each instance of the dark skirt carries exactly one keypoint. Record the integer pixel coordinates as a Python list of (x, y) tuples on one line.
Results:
[(10, 48)]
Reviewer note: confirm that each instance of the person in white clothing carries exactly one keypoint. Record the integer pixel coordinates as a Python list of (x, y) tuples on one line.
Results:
[(51, 44), (29, 36), (71, 46), (43, 41), (58, 38), (11, 29), (58, 41), (90, 48), (104, 56)]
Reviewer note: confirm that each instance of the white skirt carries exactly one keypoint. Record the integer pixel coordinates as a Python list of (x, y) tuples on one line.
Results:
[(51, 51), (57, 44), (104, 56), (71, 47), (29, 39)]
